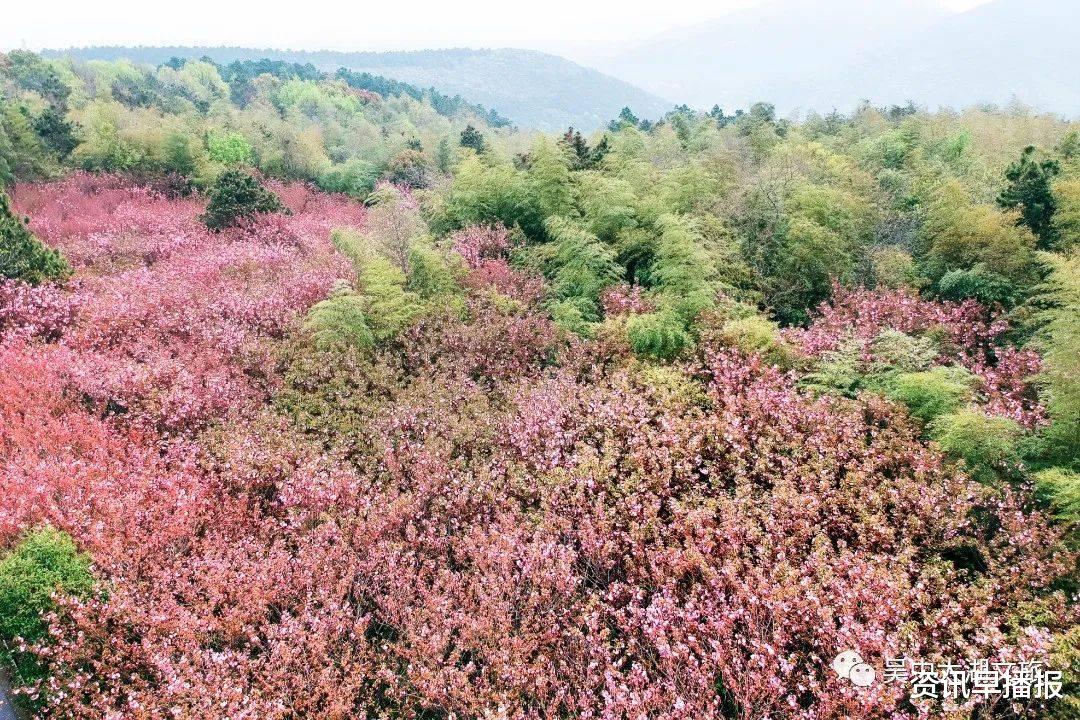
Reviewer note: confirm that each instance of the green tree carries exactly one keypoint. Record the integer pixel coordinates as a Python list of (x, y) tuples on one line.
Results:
[(626, 119), (581, 267), (1061, 349), (549, 181), (1067, 217), (229, 148), (23, 256), (340, 321), (582, 157), (472, 138), (178, 155), (988, 445), (933, 393), (44, 562), (56, 131), (1030, 191), (408, 168), (237, 196), (660, 335), (958, 234)]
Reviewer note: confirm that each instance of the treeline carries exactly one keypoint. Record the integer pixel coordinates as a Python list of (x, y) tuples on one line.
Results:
[(189, 120)]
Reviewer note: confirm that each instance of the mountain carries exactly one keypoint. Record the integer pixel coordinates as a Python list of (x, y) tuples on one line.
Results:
[(752, 54), (534, 89), (833, 53), (1022, 49)]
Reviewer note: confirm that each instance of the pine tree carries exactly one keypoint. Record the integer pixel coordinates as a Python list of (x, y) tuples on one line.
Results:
[(1029, 190), (23, 256), (237, 196), (626, 118), (472, 138)]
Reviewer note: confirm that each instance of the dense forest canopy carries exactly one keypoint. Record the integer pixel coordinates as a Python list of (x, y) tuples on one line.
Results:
[(534, 89), (192, 118), (319, 398)]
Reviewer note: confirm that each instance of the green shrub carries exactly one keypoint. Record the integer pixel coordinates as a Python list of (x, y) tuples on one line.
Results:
[(570, 316), (1060, 343), (837, 372), (23, 256), (45, 561), (893, 267), (237, 196), (659, 335), (980, 284), (388, 305), (933, 393), (340, 321), (582, 266), (989, 446), (356, 177), (229, 148), (1060, 488), (895, 351), (430, 273), (756, 335), (671, 385)]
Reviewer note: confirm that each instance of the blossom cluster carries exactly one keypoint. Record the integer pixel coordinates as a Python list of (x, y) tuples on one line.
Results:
[(970, 336), (622, 299), (482, 519)]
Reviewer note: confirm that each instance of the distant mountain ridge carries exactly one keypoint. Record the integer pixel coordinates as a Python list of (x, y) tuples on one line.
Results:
[(533, 89), (830, 54)]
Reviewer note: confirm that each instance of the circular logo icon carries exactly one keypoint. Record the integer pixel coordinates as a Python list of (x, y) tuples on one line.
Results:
[(862, 675), (846, 660)]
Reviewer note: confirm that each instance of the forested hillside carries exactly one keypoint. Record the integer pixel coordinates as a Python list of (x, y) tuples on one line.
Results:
[(316, 402), (534, 89), (187, 120)]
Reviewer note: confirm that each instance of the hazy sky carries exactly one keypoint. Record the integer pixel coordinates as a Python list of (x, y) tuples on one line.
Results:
[(580, 29)]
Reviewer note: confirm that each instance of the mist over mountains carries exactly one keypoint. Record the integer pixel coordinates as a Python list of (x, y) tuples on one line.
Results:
[(533, 89), (798, 55), (823, 55)]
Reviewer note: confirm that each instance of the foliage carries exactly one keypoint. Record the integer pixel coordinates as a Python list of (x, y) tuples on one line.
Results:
[(472, 138), (979, 284), (340, 321), (1067, 217), (933, 393), (1060, 488), (229, 148), (24, 257), (756, 335), (581, 266), (1061, 378), (388, 305), (409, 169), (658, 335), (961, 236), (57, 132), (989, 446), (553, 435), (237, 197), (1029, 190), (43, 562)]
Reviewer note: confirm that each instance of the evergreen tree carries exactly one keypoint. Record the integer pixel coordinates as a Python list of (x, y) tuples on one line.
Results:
[(23, 256), (626, 118), (472, 138), (237, 196), (577, 148), (56, 131), (1029, 190)]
